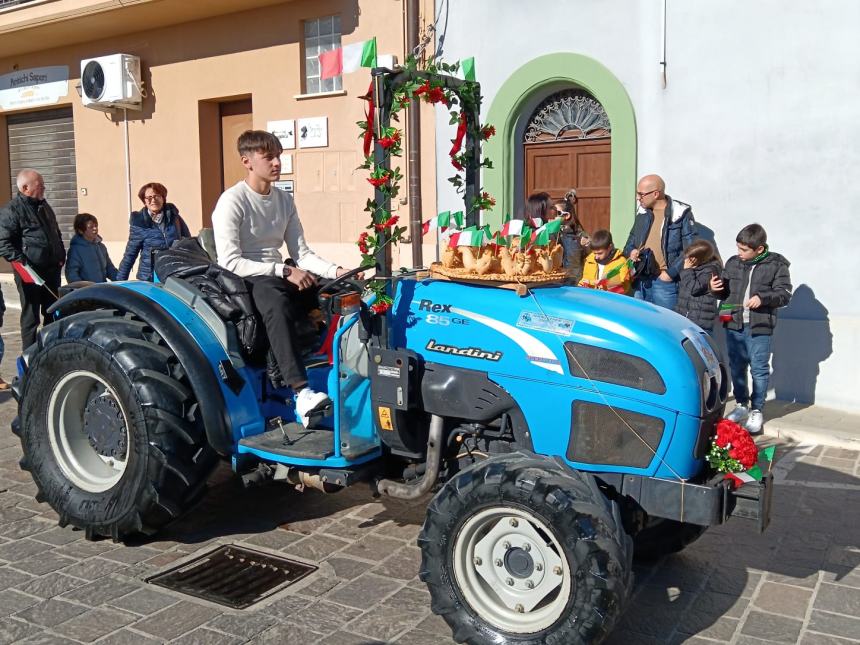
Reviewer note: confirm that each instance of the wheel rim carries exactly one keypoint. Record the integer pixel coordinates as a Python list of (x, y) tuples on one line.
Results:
[(511, 570), (88, 431)]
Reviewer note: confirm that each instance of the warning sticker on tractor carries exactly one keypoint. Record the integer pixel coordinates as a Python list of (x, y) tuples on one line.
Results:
[(385, 370), (385, 418), (542, 322)]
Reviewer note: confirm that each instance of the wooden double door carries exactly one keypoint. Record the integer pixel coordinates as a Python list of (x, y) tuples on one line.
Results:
[(557, 167)]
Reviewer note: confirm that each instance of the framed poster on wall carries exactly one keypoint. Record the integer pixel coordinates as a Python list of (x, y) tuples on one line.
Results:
[(285, 130), (313, 132)]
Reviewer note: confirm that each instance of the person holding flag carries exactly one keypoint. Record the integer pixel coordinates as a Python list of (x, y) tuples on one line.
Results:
[(605, 267), (30, 240)]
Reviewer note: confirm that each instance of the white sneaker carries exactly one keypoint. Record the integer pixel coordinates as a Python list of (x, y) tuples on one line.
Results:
[(307, 400), (755, 422), (739, 414)]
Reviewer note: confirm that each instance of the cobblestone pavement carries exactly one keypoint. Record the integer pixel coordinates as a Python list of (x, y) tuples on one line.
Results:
[(797, 583)]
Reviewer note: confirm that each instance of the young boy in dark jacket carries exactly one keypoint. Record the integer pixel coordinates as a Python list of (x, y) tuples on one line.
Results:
[(695, 300), (756, 283), (88, 258)]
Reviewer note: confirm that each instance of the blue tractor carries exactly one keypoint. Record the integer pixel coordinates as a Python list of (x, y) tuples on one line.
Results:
[(562, 430)]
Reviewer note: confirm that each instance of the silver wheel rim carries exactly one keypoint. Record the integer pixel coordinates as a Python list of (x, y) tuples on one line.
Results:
[(511, 570), (70, 443)]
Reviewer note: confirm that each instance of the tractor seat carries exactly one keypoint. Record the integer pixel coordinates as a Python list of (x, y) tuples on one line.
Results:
[(188, 260)]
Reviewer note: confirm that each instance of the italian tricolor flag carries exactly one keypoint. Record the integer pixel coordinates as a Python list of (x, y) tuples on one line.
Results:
[(344, 60), (541, 236), (512, 227), (442, 221), (469, 237), (754, 474), (27, 273)]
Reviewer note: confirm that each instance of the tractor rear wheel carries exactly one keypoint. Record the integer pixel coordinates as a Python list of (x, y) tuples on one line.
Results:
[(108, 426), (663, 537), (520, 549)]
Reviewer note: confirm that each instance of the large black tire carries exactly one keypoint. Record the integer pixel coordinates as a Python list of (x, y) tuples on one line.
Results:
[(144, 408), (663, 537), (578, 520)]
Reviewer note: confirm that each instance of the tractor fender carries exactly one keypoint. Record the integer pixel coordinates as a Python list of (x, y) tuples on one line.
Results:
[(204, 382)]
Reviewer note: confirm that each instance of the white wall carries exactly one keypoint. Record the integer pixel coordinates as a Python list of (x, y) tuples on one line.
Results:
[(760, 122)]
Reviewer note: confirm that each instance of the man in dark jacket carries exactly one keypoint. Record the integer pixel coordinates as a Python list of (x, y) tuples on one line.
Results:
[(754, 284), (29, 234), (663, 228)]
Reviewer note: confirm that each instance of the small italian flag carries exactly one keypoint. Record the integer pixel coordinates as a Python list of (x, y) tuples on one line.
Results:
[(471, 236), (27, 273), (513, 227), (442, 221), (542, 236), (753, 474), (344, 60)]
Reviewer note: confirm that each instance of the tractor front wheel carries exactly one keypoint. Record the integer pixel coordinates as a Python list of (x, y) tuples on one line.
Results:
[(108, 426), (521, 549)]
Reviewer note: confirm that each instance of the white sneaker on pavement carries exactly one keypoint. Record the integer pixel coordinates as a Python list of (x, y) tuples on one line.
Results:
[(307, 400), (739, 414), (755, 422)]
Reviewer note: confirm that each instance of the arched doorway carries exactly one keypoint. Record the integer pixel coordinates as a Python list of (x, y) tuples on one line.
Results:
[(567, 144), (515, 100)]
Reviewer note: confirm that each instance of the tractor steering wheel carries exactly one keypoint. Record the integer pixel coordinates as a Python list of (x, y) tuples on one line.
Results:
[(345, 279)]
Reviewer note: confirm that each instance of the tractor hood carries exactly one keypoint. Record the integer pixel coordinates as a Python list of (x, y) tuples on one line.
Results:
[(566, 336)]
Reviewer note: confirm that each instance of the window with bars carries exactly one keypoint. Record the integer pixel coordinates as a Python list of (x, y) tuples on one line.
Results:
[(321, 35)]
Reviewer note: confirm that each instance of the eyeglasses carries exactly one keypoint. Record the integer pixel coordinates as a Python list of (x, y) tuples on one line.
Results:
[(638, 194), (152, 198)]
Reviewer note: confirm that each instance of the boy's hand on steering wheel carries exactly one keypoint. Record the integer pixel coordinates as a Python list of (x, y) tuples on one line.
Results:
[(302, 279), (341, 271)]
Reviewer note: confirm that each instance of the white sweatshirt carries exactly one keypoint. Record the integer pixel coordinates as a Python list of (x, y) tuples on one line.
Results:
[(251, 228)]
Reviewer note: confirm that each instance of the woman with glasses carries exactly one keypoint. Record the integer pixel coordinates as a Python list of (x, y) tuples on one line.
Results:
[(156, 226)]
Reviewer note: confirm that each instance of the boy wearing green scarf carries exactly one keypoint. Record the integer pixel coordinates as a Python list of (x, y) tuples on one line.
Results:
[(754, 284)]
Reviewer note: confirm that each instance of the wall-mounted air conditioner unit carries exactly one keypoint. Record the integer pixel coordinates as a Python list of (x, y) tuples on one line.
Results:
[(112, 81)]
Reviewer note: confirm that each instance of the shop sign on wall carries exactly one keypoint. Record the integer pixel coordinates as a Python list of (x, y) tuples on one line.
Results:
[(33, 87), (285, 185), (313, 132)]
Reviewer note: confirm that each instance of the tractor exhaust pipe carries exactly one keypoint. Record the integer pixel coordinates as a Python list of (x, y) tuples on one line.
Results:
[(423, 485)]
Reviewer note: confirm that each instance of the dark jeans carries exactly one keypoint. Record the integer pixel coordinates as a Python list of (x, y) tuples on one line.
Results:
[(753, 352), (35, 300), (654, 290), (281, 305)]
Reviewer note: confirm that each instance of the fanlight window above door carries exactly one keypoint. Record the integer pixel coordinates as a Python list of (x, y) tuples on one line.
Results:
[(570, 114)]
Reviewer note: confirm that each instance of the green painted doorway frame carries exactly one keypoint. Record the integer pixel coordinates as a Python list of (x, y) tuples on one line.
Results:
[(602, 84)]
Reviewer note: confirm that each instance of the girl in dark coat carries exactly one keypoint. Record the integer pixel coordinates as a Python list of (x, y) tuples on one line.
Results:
[(573, 238), (695, 300), (156, 226), (88, 258)]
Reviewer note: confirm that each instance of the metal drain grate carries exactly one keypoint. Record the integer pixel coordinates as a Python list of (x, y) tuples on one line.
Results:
[(233, 576)]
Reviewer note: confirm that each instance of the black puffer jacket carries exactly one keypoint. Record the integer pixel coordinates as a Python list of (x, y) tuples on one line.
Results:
[(225, 292), (695, 300), (29, 233), (771, 282)]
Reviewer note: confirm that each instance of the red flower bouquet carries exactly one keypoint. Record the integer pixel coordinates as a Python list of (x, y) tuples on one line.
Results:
[(733, 449)]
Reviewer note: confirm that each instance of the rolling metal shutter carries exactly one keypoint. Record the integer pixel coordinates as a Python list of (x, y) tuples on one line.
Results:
[(45, 141)]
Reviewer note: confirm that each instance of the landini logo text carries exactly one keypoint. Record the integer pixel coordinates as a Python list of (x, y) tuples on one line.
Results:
[(471, 352)]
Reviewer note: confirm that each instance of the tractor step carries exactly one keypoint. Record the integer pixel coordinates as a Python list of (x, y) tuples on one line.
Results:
[(293, 440)]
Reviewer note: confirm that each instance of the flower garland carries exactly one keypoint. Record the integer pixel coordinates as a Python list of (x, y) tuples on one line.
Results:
[(382, 228)]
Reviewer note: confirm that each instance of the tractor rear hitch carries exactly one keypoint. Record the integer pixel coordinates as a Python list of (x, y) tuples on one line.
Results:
[(431, 472)]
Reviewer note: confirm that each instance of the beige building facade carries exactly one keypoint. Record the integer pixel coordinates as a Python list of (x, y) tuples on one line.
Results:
[(208, 72)]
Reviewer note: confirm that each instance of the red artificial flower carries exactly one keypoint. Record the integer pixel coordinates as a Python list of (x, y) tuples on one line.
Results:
[(362, 242), (380, 307), (391, 221), (378, 181), (488, 198), (487, 131), (437, 95), (738, 440), (393, 140), (422, 89), (456, 163)]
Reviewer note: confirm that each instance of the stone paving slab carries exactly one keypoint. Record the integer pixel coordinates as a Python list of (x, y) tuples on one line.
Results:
[(797, 583)]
